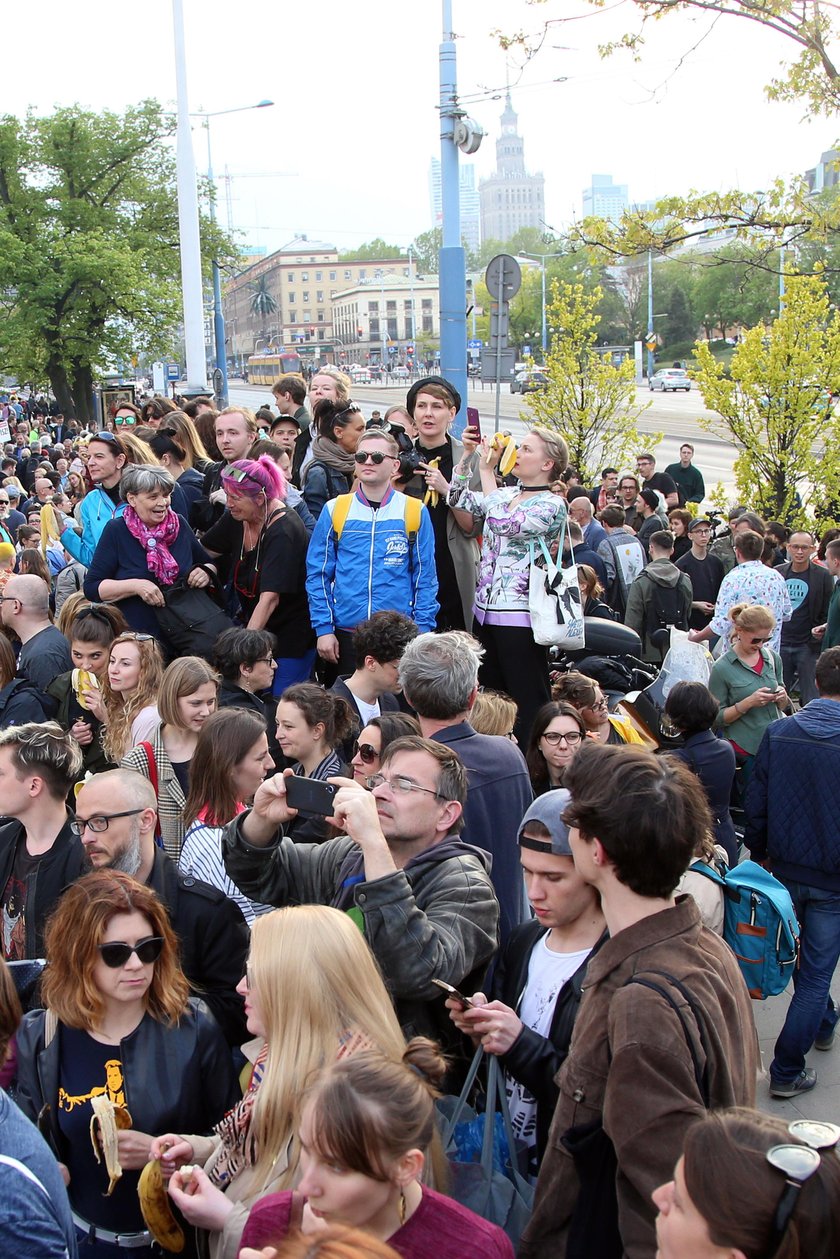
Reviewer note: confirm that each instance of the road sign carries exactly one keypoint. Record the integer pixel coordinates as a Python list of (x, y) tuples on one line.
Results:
[(474, 345), (173, 371), (651, 343), (503, 277), (504, 363)]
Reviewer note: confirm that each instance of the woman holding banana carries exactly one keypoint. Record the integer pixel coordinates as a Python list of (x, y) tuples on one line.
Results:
[(120, 1052), (511, 518)]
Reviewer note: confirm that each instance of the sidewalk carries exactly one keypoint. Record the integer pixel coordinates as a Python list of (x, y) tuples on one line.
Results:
[(822, 1102)]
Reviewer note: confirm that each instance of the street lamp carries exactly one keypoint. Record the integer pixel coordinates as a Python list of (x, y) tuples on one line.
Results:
[(218, 314), (541, 258)]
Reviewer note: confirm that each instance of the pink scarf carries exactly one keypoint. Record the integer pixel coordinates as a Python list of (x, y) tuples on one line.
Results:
[(156, 542)]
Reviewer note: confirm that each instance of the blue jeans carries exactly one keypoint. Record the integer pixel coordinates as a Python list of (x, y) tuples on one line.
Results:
[(812, 1012), (799, 663)]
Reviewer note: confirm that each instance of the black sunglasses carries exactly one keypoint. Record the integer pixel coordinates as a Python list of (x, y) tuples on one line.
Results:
[(366, 752), (375, 456), (117, 954)]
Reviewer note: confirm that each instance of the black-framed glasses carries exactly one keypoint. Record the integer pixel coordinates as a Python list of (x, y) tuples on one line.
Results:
[(757, 642), (400, 785), (116, 954), (99, 822), (556, 736), (366, 752), (372, 456)]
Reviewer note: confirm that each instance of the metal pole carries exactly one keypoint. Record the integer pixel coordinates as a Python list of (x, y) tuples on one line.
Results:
[(453, 272), (650, 362), (781, 277), (218, 313), (544, 328), (188, 227)]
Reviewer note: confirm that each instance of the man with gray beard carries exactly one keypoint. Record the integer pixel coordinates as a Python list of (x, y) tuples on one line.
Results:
[(116, 817)]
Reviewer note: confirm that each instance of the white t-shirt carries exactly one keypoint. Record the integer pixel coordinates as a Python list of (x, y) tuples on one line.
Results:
[(367, 711), (547, 973)]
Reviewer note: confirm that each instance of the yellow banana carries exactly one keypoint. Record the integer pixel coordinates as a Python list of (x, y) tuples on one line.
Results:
[(81, 681), (105, 1122), (157, 1213), (505, 443), (432, 497)]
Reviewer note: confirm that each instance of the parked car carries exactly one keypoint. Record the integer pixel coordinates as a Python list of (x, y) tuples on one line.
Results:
[(528, 381), (672, 378), (400, 372)]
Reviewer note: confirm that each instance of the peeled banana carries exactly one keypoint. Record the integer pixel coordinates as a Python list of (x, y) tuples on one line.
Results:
[(106, 1121), (432, 496), (82, 680), (157, 1213), (505, 443)]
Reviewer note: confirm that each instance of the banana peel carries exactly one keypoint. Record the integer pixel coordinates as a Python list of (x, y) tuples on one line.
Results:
[(505, 443), (157, 1212), (106, 1121), (82, 680), (432, 497)]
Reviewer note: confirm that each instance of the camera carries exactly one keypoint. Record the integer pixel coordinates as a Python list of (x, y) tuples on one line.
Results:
[(409, 458)]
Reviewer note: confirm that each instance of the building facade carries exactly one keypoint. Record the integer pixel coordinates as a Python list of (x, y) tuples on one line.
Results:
[(603, 199), (469, 202), (389, 318), (510, 198)]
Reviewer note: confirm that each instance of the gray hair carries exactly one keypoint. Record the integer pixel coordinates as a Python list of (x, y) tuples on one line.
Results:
[(584, 502), (575, 531), (129, 786), (143, 478), (439, 672)]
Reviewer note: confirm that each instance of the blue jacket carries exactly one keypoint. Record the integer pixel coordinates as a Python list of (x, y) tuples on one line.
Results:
[(713, 761), (96, 512), (793, 800), (373, 568), (35, 1220)]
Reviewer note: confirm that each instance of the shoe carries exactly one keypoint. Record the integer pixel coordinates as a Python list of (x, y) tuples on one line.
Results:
[(824, 1043), (802, 1084)]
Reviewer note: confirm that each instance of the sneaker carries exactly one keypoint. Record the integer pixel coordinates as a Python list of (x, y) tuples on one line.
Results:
[(824, 1043), (802, 1084)]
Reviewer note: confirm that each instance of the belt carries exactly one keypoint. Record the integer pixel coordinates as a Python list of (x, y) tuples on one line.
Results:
[(126, 1241)]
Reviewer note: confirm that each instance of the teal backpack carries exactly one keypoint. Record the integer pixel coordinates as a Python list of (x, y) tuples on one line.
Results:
[(760, 925)]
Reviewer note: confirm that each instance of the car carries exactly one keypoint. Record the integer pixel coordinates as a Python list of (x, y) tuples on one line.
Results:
[(672, 378), (400, 372), (528, 381), (359, 374)]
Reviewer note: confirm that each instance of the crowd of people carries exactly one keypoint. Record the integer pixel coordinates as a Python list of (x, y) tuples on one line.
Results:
[(295, 819)]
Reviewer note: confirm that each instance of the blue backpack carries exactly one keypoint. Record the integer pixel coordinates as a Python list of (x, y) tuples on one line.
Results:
[(760, 925)]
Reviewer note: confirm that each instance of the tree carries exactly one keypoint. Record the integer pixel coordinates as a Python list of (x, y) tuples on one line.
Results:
[(426, 250), (89, 260), (680, 324), (262, 303), (588, 399), (777, 405), (372, 251)]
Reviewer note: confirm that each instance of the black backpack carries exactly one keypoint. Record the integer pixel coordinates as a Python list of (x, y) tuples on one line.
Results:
[(665, 608)]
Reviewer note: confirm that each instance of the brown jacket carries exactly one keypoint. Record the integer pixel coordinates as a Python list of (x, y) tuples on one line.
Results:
[(629, 1062)]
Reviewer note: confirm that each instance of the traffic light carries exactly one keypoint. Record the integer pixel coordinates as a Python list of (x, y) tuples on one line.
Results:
[(359, 333)]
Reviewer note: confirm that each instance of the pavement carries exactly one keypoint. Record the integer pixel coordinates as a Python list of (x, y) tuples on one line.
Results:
[(822, 1102)]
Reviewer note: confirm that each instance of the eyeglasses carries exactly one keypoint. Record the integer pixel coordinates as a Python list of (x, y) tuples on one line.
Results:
[(366, 752), (374, 456), (107, 437), (400, 785), (798, 1163), (554, 737), (99, 823), (598, 706), (4, 502), (125, 419), (266, 660), (117, 954)]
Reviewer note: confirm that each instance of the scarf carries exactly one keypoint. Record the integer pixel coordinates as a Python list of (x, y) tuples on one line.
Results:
[(156, 542), (331, 454)]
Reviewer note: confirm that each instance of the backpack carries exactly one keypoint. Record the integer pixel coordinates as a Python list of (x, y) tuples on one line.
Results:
[(665, 609), (760, 925), (413, 513)]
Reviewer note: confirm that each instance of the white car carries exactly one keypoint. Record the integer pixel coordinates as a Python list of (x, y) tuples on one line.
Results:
[(670, 378), (358, 374)]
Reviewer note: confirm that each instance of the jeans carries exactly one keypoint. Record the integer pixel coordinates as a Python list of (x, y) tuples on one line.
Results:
[(799, 663), (292, 669), (812, 1012)]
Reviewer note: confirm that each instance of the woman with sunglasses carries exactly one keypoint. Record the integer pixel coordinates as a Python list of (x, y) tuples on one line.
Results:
[(374, 739), (332, 468), (81, 707), (118, 1024), (262, 545), (751, 1186), (556, 736), (747, 683), (126, 415), (587, 697)]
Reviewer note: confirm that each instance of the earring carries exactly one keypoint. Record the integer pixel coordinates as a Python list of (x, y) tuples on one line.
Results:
[(403, 1210)]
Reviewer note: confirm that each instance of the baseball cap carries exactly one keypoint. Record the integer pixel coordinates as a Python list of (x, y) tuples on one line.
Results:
[(701, 520), (548, 809)]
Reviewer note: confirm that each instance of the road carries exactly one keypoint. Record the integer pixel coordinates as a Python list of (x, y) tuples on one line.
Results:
[(673, 414)]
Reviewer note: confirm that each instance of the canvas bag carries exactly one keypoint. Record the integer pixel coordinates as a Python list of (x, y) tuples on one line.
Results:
[(554, 599)]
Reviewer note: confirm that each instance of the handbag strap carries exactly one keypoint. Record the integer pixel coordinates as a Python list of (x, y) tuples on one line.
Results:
[(463, 1097), (496, 1080), (152, 764)]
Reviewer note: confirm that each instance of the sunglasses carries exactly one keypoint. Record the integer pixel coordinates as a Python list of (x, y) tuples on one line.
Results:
[(366, 752), (125, 419), (230, 473), (756, 642), (117, 954), (106, 437), (138, 638), (372, 456)]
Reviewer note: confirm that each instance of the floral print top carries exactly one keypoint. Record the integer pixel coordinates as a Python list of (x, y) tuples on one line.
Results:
[(501, 596)]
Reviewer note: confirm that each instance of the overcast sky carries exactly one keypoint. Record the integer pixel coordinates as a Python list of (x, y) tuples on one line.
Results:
[(344, 153)]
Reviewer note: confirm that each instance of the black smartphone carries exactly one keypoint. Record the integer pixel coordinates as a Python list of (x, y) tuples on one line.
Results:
[(474, 419), (310, 796), (453, 992)]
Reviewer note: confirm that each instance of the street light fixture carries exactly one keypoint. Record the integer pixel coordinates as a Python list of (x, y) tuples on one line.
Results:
[(218, 314)]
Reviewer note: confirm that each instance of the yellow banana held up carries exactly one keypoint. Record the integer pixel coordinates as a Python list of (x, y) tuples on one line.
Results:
[(105, 1122), (505, 443), (432, 497), (157, 1213), (81, 681)]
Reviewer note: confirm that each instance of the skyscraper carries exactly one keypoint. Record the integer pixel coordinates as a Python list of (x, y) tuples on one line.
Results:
[(470, 226), (510, 197), (603, 199)]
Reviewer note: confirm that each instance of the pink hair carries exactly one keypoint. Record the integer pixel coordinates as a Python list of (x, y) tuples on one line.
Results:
[(263, 474)]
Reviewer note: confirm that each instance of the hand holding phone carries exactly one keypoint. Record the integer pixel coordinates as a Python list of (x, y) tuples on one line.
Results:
[(310, 796), (454, 993)]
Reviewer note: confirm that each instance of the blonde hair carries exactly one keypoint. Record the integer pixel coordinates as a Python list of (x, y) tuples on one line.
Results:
[(493, 713), (555, 448), (122, 710), (317, 982), (751, 616), (248, 416), (343, 383), (186, 436), (183, 677), (136, 450)]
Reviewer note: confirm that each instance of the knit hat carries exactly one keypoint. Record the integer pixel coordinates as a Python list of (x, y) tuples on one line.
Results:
[(548, 810), (420, 385)]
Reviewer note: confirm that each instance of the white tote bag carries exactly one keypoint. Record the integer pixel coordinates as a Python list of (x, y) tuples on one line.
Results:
[(554, 600)]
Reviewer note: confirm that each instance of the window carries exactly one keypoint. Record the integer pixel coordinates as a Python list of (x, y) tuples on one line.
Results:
[(305, 276), (291, 277), (427, 303), (373, 308), (317, 275), (320, 295), (305, 297), (307, 316), (292, 316), (363, 273), (321, 334), (392, 330), (391, 306), (427, 323), (333, 275), (374, 327), (348, 274), (320, 316), (291, 297)]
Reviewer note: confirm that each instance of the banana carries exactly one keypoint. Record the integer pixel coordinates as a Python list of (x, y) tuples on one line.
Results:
[(432, 497), (105, 1122), (157, 1213), (505, 443), (81, 681)]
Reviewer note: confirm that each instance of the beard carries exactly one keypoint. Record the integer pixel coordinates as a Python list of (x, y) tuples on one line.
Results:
[(128, 859)]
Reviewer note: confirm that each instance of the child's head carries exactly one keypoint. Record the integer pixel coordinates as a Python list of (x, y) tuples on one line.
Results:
[(91, 633), (7, 557)]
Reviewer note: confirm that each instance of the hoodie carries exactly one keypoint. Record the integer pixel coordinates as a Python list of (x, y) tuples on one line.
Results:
[(641, 603), (793, 799)]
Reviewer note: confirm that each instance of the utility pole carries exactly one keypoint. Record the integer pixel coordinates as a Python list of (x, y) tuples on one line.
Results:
[(452, 269), (188, 228)]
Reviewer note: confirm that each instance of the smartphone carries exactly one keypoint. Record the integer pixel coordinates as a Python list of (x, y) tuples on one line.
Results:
[(474, 419), (310, 796), (453, 992)]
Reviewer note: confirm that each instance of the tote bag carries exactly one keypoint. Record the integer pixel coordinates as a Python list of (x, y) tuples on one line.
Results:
[(554, 601)]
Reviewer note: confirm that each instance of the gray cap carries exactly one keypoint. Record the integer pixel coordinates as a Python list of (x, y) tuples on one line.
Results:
[(13, 491), (548, 809)]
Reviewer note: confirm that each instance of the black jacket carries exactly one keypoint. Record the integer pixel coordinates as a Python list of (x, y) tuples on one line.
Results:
[(713, 761), (532, 1059), (265, 706), (94, 760), (820, 590), (214, 942), (57, 869), (388, 703), (20, 702), (202, 513)]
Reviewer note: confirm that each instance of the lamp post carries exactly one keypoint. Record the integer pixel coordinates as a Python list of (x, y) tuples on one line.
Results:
[(218, 314), (542, 260), (188, 228)]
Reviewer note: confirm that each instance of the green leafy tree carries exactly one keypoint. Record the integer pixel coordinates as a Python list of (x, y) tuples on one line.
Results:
[(89, 261), (589, 400), (680, 324), (372, 251), (262, 302), (426, 250), (776, 405)]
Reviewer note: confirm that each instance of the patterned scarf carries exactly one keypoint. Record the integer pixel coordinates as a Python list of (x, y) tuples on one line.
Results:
[(156, 541)]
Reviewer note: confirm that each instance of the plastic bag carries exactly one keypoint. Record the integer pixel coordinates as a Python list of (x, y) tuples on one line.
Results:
[(685, 662)]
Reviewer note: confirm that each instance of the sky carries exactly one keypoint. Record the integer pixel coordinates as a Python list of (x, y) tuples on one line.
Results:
[(343, 154)]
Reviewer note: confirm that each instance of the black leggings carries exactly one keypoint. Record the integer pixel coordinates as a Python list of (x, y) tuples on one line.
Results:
[(514, 663)]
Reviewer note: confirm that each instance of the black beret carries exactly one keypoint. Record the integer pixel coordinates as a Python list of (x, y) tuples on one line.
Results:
[(420, 385)]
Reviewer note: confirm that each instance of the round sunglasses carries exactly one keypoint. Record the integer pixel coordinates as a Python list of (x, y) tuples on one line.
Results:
[(374, 456), (366, 752)]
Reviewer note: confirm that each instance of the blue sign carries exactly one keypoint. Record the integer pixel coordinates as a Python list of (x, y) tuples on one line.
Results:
[(173, 371), (474, 345)]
